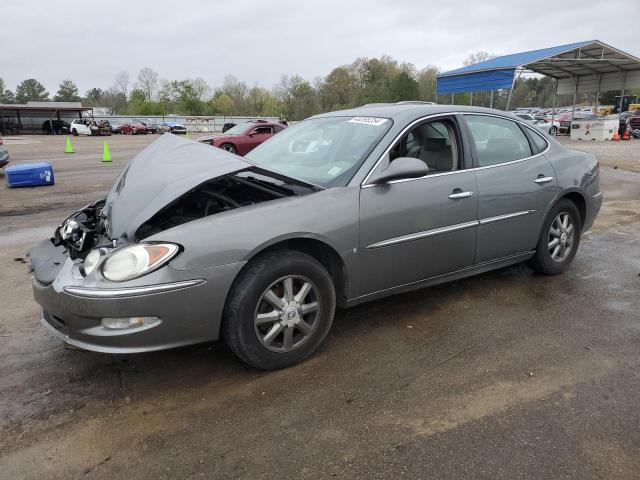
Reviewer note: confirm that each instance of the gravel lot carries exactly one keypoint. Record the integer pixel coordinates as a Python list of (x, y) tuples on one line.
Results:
[(504, 375)]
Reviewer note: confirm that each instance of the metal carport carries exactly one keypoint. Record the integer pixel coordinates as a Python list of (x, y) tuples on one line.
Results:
[(590, 66), (24, 118)]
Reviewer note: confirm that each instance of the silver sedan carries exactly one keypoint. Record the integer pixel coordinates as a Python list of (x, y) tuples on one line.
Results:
[(193, 243)]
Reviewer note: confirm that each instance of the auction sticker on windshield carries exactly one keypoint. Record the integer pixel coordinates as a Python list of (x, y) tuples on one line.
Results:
[(375, 121)]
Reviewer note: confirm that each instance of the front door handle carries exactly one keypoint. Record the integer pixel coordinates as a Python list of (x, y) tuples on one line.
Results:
[(541, 180), (458, 194)]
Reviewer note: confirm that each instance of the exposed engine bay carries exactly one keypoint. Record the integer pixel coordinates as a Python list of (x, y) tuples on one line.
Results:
[(86, 228)]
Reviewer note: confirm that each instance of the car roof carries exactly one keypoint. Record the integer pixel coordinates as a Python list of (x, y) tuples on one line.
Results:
[(407, 112)]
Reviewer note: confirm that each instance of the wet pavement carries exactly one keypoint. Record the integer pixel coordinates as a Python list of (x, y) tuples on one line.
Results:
[(504, 375)]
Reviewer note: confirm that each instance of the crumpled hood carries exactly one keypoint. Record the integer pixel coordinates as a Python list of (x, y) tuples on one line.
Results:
[(162, 172)]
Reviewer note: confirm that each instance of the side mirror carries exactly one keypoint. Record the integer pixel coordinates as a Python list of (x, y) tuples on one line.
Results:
[(400, 168)]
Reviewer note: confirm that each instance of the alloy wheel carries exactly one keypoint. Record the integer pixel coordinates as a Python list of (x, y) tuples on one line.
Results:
[(287, 313), (561, 237)]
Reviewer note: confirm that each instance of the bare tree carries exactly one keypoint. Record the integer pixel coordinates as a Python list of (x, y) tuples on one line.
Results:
[(201, 89), (478, 57), (148, 81), (122, 84)]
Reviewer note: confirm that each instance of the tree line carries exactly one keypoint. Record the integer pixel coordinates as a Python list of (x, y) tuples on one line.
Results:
[(365, 80)]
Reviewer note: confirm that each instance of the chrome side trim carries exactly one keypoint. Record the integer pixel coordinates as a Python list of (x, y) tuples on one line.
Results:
[(130, 291), (447, 229), (424, 234), (364, 183), (506, 216), (598, 195)]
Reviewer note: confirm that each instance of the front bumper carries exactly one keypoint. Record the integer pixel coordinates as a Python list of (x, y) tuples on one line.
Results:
[(189, 305)]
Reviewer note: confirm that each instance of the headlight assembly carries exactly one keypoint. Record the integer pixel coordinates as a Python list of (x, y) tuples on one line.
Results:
[(137, 260), (91, 261)]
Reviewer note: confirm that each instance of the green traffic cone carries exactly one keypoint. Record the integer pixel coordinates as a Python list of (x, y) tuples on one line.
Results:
[(106, 154), (69, 148)]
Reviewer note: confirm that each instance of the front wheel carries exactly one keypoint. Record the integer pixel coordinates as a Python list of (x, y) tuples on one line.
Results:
[(279, 310), (553, 130), (559, 239), (229, 147), (74, 132)]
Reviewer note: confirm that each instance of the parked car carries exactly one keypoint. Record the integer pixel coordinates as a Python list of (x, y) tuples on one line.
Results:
[(4, 154), (172, 127), (244, 137), (634, 120), (151, 127), (57, 127), (116, 126), (525, 116), (80, 126), (547, 126), (192, 243), (228, 126), (134, 128)]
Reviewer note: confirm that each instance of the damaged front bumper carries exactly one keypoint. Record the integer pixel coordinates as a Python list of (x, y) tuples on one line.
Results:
[(185, 305)]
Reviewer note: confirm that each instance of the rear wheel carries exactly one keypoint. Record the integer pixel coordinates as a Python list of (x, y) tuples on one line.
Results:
[(229, 147), (279, 310), (74, 132), (553, 130), (559, 239)]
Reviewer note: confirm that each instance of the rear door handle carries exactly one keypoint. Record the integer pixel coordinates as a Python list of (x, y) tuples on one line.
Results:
[(456, 195), (543, 179)]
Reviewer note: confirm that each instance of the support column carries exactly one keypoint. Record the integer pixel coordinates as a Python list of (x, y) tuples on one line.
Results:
[(553, 105), (513, 84), (598, 93), (470, 99), (491, 100), (573, 107), (452, 101)]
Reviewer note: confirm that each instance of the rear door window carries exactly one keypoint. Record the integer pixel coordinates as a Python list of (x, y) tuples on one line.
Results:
[(497, 140)]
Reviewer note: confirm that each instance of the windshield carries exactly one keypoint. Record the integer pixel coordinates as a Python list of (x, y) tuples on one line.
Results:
[(241, 129), (321, 151)]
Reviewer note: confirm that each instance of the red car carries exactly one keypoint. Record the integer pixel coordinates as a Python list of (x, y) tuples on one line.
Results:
[(244, 137), (134, 128)]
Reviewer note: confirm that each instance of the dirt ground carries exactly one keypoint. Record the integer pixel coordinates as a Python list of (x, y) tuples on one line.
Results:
[(504, 375)]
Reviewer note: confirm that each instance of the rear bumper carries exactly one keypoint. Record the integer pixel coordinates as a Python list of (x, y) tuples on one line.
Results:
[(188, 304), (594, 203)]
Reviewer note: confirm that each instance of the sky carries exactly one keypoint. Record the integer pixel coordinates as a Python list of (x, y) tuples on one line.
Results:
[(258, 41)]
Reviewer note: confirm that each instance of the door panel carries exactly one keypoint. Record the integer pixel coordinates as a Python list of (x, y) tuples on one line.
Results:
[(412, 230), (512, 206)]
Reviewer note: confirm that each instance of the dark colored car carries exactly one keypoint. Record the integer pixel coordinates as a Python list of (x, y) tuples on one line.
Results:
[(634, 120), (57, 127), (134, 128), (228, 126), (151, 127), (4, 154), (244, 137)]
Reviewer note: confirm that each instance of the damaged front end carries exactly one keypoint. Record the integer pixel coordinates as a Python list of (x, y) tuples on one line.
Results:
[(170, 183), (79, 232)]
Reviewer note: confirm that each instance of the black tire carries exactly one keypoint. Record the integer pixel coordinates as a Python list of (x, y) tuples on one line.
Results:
[(542, 261), (239, 328), (229, 147), (74, 132), (553, 130)]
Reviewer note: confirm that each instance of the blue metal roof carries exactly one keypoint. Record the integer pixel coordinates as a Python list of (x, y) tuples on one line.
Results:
[(498, 72), (475, 82), (516, 59)]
